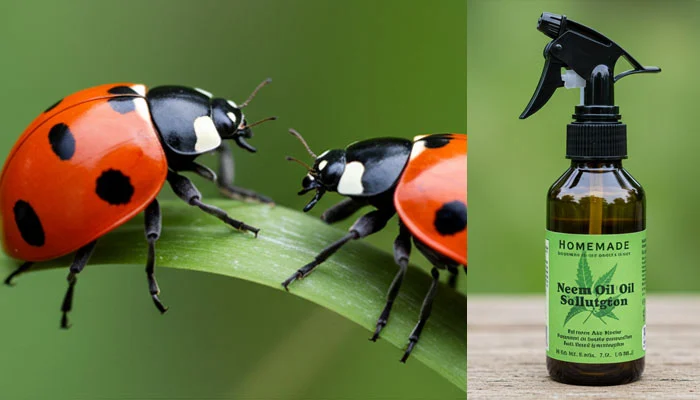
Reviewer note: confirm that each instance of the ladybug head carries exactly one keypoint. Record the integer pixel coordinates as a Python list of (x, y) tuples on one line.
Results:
[(325, 173), (230, 121)]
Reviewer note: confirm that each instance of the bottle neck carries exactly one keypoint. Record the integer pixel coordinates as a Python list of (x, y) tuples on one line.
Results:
[(596, 164)]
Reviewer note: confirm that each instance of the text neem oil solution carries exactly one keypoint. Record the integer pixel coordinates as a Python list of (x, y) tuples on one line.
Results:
[(596, 239)]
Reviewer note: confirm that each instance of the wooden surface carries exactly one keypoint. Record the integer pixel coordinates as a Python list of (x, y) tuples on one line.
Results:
[(506, 358)]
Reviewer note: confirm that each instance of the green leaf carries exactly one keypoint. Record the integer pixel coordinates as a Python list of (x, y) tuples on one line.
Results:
[(573, 312), (606, 277), (584, 279), (608, 310), (353, 282)]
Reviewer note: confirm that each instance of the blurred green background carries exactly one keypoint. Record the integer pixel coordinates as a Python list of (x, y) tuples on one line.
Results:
[(341, 72), (513, 162)]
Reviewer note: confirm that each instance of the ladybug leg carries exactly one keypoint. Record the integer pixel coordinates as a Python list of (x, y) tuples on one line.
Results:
[(341, 211), (153, 226), (364, 226), (452, 280), (185, 189), (21, 269), (239, 193), (234, 192), (402, 251), (321, 257), (227, 169), (201, 170), (81, 258), (425, 310), (225, 178)]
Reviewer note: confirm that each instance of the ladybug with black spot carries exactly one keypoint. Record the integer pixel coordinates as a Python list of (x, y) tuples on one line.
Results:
[(98, 157), (424, 181)]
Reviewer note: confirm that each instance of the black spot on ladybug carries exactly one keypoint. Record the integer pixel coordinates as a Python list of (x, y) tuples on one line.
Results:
[(123, 90), (62, 141), (52, 106), (451, 218), (436, 141), (28, 223), (114, 187), (122, 105)]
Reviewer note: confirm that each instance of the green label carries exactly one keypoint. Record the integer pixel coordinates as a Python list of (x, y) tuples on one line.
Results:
[(596, 297)]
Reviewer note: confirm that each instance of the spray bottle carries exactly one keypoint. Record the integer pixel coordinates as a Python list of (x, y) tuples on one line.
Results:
[(595, 246)]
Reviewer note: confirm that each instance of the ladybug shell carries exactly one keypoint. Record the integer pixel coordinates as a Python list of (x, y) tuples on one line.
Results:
[(431, 196), (83, 167)]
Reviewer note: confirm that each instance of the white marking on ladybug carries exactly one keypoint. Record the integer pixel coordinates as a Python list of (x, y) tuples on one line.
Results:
[(351, 181), (207, 136), (204, 92), (231, 116), (418, 147), (311, 178), (142, 109), (232, 104), (140, 89), (323, 154), (322, 165)]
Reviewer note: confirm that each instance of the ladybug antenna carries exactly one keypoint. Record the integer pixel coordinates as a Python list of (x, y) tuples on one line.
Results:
[(301, 139), (252, 95), (303, 164), (260, 122)]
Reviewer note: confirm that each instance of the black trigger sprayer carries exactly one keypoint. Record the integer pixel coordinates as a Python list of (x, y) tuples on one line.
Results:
[(589, 59), (596, 218)]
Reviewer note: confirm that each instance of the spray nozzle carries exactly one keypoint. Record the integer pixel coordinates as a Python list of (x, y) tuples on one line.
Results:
[(549, 24), (589, 59)]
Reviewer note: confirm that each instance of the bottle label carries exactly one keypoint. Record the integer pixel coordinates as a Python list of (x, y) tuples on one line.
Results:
[(596, 297)]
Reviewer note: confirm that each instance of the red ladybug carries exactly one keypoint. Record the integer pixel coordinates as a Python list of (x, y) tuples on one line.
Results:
[(425, 181), (98, 157)]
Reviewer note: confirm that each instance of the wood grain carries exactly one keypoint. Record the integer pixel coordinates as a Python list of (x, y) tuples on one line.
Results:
[(506, 357)]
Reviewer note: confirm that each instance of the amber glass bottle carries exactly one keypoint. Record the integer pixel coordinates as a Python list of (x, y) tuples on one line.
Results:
[(596, 198), (595, 243)]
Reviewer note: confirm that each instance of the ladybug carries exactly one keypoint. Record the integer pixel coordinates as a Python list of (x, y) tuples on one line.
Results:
[(98, 157), (424, 181)]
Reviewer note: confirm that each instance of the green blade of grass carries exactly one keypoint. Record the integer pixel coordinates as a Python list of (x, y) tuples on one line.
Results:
[(353, 282)]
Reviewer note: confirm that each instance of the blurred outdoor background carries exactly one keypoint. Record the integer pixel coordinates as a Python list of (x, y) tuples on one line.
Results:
[(513, 162), (341, 72)]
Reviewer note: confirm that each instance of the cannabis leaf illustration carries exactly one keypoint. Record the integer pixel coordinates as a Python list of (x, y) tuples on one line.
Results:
[(572, 312), (584, 279), (605, 278), (608, 311)]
